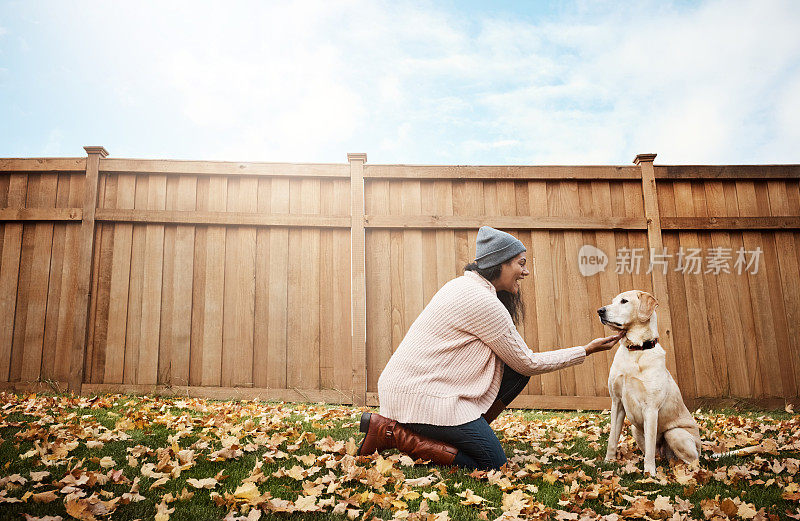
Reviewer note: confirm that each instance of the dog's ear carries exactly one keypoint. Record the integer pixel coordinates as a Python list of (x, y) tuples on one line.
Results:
[(647, 304)]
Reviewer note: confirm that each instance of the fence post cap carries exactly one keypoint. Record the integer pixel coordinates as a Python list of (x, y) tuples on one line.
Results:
[(96, 150), (644, 158), (356, 156)]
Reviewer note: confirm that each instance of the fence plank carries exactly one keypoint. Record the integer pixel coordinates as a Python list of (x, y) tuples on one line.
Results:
[(101, 283), (54, 290), (9, 274), (186, 200), (580, 316), (223, 168), (745, 315), (239, 304), (519, 192), (467, 222), (765, 348), (712, 305), (41, 214), (342, 336), (327, 324), (500, 172), (199, 276), (224, 218), (151, 284), (544, 282), (358, 290), (379, 287), (214, 286), (684, 370), (598, 364), (430, 277), (734, 371), (119, 286), (607, 280), (695, 298), (396, 256), (43, 164), (261, 334), (40, 277), (278, 289), (555, 206), (446, 269), (412, 256), (732, 223), (773, 271), (165, 347), (781, 203)]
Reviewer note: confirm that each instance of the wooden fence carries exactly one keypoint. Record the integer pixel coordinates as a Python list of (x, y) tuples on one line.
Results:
[(297, 281)]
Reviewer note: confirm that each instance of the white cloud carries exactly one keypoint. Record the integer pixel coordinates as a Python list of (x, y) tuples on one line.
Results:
[(413, 82)]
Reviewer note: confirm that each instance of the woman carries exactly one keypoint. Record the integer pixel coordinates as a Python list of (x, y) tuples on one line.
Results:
[(462, 362)]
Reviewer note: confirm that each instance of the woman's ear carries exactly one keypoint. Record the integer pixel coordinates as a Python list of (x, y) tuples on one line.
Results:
[(647, 304)]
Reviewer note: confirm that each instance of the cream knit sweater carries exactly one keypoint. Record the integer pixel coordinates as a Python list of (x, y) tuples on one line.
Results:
[(448, 368)]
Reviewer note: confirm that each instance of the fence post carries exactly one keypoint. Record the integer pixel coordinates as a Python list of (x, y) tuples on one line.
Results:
[(358, 291), (84, 268), (653, 217)]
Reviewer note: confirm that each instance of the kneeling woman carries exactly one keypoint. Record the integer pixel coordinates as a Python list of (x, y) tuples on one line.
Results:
[(462, 362)]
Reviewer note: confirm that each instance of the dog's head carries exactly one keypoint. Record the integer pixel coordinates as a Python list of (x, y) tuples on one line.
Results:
[(629, 309)]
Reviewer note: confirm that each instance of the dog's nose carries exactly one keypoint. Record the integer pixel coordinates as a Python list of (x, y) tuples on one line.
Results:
[(601, 311)]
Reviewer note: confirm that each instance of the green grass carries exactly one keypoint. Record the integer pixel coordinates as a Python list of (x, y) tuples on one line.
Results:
[(571, 444)]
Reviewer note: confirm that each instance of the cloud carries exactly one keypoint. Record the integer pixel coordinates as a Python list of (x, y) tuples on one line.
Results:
[(594, 82)]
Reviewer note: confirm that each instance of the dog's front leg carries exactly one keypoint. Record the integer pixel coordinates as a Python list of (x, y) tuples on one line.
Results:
[(650, 434), (617, 421)]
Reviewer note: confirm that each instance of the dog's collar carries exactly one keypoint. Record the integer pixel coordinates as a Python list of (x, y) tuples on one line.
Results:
[(650, 344)]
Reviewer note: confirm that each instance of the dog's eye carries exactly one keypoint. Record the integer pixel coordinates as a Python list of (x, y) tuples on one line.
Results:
[(623, 301)]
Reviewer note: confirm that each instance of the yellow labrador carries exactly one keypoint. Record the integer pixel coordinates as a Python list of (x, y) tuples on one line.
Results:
[(642, 389)]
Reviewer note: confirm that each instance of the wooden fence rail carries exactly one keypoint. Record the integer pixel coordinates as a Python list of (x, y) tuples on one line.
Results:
[(298, 281)]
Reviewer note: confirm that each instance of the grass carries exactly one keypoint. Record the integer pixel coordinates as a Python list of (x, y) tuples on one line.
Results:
[(556, 460)]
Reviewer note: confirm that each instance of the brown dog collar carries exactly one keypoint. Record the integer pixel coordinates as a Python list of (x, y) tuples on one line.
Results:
[(650, 344)]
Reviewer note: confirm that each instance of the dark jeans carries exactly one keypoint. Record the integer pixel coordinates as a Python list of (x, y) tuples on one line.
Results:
[(477, 444)]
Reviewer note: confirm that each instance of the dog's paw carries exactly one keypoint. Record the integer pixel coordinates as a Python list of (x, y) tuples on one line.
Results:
[(610, 458), (650, 471)]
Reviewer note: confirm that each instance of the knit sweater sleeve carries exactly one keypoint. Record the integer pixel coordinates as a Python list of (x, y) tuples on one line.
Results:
[(496, 329), (513, 350)]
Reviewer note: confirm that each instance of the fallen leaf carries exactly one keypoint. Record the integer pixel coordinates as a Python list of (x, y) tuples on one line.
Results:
[(202, 483)]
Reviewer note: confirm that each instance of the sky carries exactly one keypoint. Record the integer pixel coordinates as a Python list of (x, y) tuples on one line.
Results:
[(448, 82)]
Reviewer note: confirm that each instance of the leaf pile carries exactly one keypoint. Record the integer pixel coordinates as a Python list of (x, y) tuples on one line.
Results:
[(130, 457)]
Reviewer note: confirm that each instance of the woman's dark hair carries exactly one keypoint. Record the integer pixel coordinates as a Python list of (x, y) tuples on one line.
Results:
[(512, 301)]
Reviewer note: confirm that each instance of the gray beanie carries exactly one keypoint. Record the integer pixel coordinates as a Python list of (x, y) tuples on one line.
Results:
[(494, 247)]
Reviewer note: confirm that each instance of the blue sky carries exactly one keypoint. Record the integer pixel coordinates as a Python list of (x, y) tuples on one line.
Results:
[(447, 82)]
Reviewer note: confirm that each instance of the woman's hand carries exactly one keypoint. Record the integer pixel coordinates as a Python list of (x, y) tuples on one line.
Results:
[(603, 344)]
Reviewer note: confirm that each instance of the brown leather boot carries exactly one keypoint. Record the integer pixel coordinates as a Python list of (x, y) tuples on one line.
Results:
[(494, 411), (383, 433)]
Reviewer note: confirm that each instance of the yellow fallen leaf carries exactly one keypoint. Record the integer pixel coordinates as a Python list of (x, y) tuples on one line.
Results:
[(383, 466), (663, 504), (45, 497), (202, 483), (431, 496), (163, 511), (514, 502), (159, 482), (306, 504), (406, 461), (351, 447), (471, 498), (746, 511), (246, 492)]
